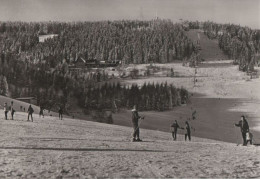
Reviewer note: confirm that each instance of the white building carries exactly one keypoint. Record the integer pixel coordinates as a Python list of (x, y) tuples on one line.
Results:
[(42, 38)]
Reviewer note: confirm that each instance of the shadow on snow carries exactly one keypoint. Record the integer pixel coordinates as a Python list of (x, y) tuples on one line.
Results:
[(79, 149)]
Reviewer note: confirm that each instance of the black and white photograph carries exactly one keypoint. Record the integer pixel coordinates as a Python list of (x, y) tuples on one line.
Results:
[(129, 89)]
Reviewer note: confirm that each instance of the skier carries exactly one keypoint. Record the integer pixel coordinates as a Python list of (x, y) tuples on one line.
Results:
[(60, 113), (12, 110), (187, 131), (30, 112), (193, 115), (243, 124), (135, 121), (175, 127), (41, 112), (6, 110)]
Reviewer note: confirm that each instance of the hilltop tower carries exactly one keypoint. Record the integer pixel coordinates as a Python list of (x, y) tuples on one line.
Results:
[(141, 15), (155, 20)]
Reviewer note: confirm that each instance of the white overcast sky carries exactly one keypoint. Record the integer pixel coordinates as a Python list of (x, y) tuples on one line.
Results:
[(243, 12)]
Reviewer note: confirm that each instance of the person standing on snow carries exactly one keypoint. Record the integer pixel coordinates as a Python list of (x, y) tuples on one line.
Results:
[(6, 110), (60, 113), (41, 112), (187, 131), (12, 110), (30, 112), (135, 121), (244, 127), (175, 127)]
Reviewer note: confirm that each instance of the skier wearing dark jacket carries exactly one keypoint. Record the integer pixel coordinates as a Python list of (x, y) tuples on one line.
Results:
[(5, 110), (60, 113), (175, 127), (135, 121), (41, 112), (244, 127), (12, 110), (30, 112)]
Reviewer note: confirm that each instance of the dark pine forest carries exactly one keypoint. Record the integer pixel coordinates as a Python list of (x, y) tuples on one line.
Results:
[(41, 69)]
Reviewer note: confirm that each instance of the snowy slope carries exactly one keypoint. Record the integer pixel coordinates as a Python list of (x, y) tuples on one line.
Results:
[(51, 148)]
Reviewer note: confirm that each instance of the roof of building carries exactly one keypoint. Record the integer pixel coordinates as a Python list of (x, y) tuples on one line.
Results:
[(23, 98), (48, 35), (80, 59)]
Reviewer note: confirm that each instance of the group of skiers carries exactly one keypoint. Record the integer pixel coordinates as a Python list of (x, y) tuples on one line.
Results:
[(243, 124), (30, 111), (175, 126), (7, 108), (12, 110)]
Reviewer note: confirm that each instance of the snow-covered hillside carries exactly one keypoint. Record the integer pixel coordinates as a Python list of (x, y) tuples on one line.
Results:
[(70, 148)]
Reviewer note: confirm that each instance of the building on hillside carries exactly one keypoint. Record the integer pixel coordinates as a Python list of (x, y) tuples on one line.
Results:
[(92, 63), (30, 100), (221, 32), (81, 65), (112, 63), (43, 38)]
